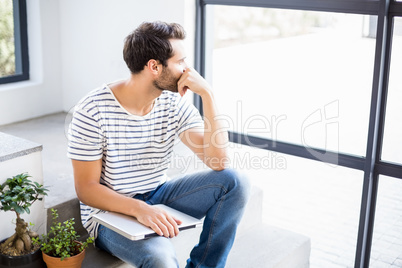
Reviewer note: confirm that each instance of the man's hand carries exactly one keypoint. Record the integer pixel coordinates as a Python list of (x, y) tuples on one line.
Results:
[(158, 220), (191, 79)]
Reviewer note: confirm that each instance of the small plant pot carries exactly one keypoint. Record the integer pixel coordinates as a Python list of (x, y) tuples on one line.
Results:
[(71, 262)]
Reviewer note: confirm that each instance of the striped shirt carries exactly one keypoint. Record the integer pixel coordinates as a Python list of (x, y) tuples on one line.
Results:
[(135, 150)]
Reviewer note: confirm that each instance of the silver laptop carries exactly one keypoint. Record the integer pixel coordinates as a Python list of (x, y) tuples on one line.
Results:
[(132, 229)]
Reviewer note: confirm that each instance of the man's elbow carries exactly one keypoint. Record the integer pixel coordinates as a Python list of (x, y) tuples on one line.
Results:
[(218, 163), (83, 193), (219, 168), (80, 194)]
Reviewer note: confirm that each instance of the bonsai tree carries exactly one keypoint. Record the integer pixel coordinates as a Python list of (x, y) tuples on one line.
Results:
[(18, 194), (62, 239)]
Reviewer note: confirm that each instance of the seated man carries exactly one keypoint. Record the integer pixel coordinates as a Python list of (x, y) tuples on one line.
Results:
[(121, 139)]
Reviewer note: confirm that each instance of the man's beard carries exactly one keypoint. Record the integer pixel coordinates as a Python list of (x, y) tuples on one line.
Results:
[(166, 82)]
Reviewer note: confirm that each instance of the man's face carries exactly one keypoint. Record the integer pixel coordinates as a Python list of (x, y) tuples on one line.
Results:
[(176, 65)]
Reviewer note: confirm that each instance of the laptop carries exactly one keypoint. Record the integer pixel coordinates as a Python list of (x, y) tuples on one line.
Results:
[(134, 230)]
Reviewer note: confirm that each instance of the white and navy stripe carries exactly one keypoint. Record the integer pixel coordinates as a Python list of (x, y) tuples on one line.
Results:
[(135, 150)]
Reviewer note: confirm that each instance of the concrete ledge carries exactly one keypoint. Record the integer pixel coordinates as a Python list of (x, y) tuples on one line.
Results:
[(12, 147), (263, 246), (256, 244), (18, 156), (270, 247), (95, 258)]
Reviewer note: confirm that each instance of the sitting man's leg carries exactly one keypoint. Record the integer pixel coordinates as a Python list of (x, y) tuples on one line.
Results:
[(221, 197), (155, 252)]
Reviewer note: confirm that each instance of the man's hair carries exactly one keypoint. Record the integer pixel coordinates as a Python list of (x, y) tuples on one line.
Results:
[(150, 41)]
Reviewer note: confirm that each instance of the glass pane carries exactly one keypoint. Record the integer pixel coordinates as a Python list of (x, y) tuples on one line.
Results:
[(7, 48), (386, 249), (308, 197), (392, 145), (294, 76)]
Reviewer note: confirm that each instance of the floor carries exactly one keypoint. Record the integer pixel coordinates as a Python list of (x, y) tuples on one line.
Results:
[(315, 199)]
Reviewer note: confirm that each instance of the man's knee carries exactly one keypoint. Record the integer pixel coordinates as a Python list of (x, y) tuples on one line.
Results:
[(237, 182), (160, 262), (162, 259)]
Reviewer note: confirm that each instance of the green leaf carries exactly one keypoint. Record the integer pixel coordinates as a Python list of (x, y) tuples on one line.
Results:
[(17, 189), (19, 210)]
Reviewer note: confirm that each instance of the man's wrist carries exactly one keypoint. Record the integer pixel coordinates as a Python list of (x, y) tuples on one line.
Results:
[(206, 94)]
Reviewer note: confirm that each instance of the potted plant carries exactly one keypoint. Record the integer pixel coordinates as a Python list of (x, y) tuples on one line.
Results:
[(60, 246), (17, 194)]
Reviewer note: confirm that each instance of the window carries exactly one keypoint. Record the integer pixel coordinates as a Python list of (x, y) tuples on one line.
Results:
[(309, 198), (14, 64), (387, 240), (304, 74), (393, 134), (313, 80)]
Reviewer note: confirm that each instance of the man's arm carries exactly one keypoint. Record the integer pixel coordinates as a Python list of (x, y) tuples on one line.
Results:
[(94, 194), (210, 143)]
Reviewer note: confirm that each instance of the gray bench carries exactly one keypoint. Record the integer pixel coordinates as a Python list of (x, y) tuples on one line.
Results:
[(257, 244)]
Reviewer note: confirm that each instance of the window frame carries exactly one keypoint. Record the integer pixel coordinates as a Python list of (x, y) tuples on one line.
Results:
[(20, 44), (371, 164)]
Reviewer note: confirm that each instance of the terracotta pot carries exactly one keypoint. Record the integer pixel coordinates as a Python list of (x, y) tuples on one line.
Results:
[(71, 262)]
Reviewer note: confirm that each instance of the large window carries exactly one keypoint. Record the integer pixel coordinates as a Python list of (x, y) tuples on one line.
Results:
[(309, 198), (393, 133), (304, 73), (315, 80), (14, 63)]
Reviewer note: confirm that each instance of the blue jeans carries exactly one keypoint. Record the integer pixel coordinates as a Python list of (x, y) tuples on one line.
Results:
[(219, 196)]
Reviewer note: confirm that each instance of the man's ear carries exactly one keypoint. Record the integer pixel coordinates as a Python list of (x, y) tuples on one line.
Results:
[(154, 66)]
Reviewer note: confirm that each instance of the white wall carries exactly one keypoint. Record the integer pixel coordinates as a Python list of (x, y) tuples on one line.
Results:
[(76, 46), (42, 93), (92, 36)]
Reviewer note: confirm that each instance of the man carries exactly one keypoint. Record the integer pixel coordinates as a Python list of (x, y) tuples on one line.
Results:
[(120, 142)]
